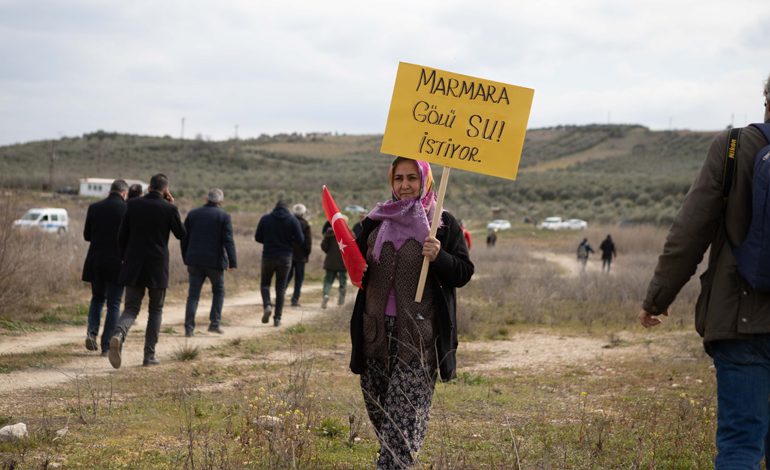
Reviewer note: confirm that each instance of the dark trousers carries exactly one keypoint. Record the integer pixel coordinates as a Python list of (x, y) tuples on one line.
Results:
[(606, 262), (196, 276), (297, 272), (101, 292), (133, 304), (280, 267)]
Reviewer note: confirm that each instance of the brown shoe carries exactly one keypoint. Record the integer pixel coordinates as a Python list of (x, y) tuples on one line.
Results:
[(116, 345)]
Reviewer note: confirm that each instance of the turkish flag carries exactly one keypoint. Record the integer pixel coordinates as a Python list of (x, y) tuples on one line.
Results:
[(351, 255)]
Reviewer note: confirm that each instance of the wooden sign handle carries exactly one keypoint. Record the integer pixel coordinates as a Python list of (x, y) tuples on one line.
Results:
[(433, 230)]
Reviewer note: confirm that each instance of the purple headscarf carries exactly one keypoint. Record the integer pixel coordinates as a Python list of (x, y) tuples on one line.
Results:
[(405, 219)]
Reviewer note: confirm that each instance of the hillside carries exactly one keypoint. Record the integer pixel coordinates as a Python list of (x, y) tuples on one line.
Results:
[(602, 173)]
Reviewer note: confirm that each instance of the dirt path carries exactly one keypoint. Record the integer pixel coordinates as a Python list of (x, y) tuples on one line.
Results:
[(244, 322), (568, 263)]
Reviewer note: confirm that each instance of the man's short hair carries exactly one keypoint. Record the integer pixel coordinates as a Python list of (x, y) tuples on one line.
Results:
[(119, 186), (158, 182), (216, 195), (299, 209), (135, 190)]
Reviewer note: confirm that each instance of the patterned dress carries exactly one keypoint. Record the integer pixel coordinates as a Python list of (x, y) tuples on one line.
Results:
[(400, 373)]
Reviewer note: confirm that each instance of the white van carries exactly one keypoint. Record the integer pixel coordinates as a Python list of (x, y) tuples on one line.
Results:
[(48, 219)]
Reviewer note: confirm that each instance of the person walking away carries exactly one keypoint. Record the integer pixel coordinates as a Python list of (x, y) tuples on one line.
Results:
[(466, 234), (731, 315), (102, 264), (608, 252), (277, 231), (583, 251), (399, 346), (143, 242), (491, 238), (135, 190), (301, 254), (207, 250), (334, 266)]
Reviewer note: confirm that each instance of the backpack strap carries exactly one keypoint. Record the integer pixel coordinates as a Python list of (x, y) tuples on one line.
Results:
[(730, 151)]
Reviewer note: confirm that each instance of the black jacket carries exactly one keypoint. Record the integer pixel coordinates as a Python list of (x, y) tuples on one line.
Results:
[(278, 231), (143, 240), (101, 230), (452, 268), (302, 250), (333, 259), (209, 239)]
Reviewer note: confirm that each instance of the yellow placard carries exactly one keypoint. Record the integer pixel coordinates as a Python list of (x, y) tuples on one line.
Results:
[(458, 121)]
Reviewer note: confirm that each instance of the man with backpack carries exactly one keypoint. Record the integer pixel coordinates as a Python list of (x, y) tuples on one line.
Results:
[(723, 211), (583, 250)]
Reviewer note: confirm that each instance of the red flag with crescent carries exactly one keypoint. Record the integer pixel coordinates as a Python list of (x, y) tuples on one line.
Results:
[(351, 255)]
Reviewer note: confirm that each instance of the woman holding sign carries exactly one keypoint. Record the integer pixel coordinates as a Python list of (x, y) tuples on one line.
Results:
[(398, 344)]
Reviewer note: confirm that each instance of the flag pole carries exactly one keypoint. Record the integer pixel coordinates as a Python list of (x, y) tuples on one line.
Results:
[(433, 229)]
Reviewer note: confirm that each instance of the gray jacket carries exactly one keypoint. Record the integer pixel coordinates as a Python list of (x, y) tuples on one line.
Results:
[(727, 308)]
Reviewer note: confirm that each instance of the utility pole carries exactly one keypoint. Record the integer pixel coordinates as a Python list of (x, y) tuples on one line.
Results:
[(51, 160), (182, 134)]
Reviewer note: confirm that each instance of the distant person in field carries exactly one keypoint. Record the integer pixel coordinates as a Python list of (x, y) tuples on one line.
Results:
[(208, 250), (143, 242), (401, 346), (731, 314), (277, 231), (491, 238), (333, 266), (583, 251), (102, 264), (301, 254), (608, 252), (466, 234), (135, 190)]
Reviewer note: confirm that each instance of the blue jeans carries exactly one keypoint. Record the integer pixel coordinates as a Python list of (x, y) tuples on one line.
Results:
[(743, 409), (297, 272), (101, 292), (280, 267), (197, 276)]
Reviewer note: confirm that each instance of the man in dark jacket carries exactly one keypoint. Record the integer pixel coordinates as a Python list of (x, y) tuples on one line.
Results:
[(102, 263), (143, 241), (207, 249), (732, 318), (608, 252), (301, 254), (278, 231)]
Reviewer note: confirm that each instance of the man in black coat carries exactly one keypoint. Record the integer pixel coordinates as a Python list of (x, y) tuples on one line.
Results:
[(301, 254), (207, 249), (102, 264), (278, 231), (143, 241)]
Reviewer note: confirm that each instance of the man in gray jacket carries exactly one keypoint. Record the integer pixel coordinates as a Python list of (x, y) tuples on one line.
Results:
[(732, 318)]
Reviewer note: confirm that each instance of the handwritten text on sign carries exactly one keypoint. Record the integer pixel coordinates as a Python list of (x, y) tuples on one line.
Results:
[(457, 121)]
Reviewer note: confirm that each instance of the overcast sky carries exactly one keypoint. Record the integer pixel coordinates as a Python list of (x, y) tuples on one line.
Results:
[(140, 66)]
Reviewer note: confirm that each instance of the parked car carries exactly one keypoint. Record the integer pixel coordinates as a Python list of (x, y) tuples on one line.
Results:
[(575, 224), (499, 224), (355, 209), (48, 219), (551, 223)]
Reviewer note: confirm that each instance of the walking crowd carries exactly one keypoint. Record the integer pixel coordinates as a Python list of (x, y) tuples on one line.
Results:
[(400, 347)]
